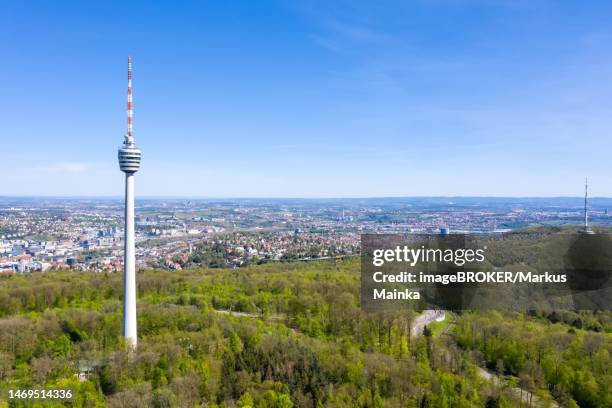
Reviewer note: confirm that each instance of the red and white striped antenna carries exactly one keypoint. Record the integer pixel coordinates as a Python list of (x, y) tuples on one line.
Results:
[(129, 98)]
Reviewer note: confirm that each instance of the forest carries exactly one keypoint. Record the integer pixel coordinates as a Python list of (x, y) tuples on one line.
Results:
[(287, 335)]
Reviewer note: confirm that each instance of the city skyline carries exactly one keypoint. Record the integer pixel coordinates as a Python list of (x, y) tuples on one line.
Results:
[(310, 99), (54, 234)]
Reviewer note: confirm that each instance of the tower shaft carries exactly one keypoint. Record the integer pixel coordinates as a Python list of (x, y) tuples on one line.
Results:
[(130, 331)]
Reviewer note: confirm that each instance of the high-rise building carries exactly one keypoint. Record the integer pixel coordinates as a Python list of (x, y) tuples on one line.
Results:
[(129, 163)]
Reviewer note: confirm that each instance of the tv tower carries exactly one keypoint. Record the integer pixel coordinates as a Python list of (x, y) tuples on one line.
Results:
[(585, 228), (129, 163)]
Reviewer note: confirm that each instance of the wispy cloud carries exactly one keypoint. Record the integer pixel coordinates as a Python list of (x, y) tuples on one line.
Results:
[(339, 28), (65, 167), (355, 32)]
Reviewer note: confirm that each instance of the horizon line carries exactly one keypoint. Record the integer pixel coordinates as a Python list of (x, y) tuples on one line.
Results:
[(186, 197)]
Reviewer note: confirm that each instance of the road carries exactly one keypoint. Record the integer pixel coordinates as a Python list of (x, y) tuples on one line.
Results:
[(425, 318), (429, 316), (535, 401), (249, 315)]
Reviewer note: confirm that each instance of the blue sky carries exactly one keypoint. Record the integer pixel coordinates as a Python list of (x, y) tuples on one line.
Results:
[(308, 98)]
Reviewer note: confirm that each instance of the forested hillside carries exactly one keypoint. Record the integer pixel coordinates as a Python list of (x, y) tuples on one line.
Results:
[(283, 335)]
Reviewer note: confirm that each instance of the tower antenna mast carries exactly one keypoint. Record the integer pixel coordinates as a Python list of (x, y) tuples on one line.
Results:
[(129, 99), (585, 227)]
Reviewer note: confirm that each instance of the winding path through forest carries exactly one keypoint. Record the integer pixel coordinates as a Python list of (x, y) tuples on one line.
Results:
[(430, 316), (422, 320), (517, 391), (425, 318)]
